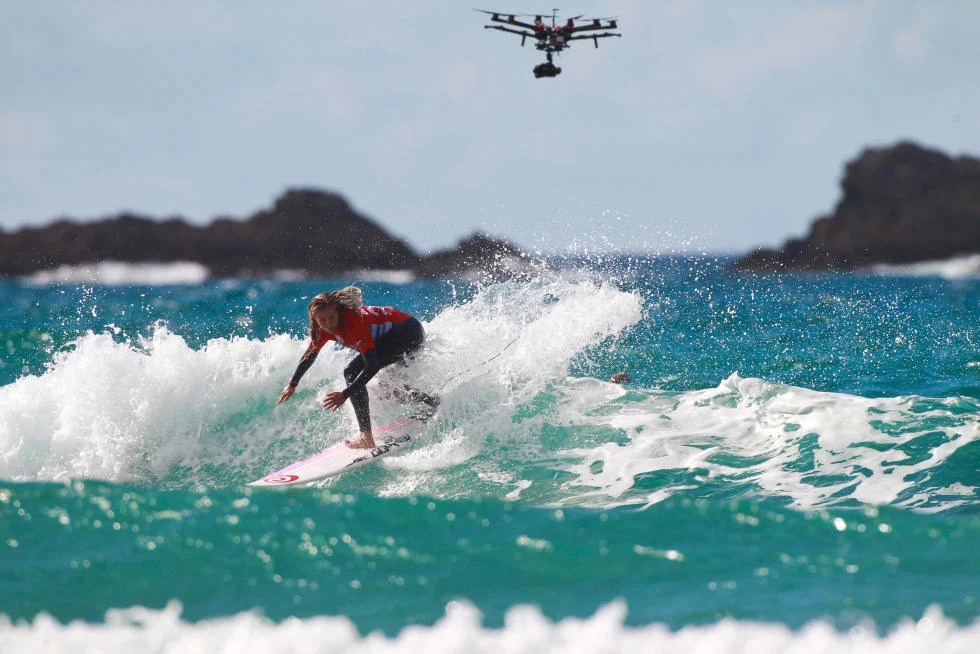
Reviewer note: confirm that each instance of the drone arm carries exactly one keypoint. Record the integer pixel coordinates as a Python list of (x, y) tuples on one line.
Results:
[(591, 27), (595, 37), (522, 33)]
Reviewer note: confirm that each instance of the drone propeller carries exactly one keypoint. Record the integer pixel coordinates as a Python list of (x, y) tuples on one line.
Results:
[(505, 13)]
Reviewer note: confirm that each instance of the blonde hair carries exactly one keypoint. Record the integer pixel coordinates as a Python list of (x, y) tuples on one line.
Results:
[(348, 298)]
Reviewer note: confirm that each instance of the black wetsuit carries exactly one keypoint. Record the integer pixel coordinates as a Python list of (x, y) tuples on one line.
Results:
[(392, 346)]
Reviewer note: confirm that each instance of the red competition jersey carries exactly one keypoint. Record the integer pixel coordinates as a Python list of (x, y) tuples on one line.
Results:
[(362, 327)]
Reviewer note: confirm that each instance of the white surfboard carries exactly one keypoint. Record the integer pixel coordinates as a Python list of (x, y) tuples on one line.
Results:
[(339, 458)]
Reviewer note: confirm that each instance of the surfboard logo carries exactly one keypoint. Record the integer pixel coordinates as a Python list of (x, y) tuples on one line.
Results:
[(358, 460), (280, 479)]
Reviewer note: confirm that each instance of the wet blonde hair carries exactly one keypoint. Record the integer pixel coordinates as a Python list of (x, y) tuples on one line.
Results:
[(348, 298)]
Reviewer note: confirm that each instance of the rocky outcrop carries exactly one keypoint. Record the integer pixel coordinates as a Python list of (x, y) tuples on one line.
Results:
[(901, 204), (479, 255), (307, 230)]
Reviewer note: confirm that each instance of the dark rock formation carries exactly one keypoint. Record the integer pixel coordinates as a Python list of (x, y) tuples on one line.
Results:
[(308, 230), (478, 255), (900, 205)]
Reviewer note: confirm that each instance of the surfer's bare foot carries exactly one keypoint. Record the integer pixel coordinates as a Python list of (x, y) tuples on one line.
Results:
[(364, 441)]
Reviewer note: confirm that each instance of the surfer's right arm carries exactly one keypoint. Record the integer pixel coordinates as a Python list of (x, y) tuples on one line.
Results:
[(308, 358)]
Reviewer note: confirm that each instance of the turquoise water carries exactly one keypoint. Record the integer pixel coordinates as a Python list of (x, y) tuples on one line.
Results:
[(794, 463)]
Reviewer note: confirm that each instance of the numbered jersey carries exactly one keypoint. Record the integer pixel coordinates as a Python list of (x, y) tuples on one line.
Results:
[(363, 327)]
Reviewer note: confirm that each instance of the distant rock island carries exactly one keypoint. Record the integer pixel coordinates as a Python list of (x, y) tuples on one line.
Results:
[(307, 230), (900, 205)]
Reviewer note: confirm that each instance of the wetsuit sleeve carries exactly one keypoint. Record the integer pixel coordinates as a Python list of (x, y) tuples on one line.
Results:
[(308, 358), (371, 367)]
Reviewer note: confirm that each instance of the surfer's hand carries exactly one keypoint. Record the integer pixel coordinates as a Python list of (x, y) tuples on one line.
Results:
[(333, 401), (286, 394)]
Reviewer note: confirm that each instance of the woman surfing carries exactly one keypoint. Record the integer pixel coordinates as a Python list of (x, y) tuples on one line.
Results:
[(381, 335)]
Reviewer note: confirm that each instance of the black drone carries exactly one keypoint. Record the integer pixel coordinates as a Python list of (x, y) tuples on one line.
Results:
[(551, 38)]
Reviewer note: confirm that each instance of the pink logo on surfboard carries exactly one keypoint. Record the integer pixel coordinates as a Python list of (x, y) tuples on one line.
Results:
[(280, 479)]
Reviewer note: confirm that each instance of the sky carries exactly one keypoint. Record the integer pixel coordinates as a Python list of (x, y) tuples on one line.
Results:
[(710, 127)]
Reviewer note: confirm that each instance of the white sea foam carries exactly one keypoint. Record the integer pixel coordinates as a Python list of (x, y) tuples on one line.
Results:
[(962, 267), (813, 447), (117, 273), (388, 276), (129, 411), (460, 631)]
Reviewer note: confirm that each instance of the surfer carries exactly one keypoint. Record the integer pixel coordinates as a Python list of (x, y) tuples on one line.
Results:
[(381, 335)]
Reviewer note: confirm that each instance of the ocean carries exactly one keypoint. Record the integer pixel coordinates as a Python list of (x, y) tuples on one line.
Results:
[(792, 467)]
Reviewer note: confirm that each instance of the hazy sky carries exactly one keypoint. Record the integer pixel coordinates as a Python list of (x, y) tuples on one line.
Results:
[(710, 126)]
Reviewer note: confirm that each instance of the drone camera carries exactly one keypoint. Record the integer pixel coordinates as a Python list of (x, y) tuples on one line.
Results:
[(547, 69)]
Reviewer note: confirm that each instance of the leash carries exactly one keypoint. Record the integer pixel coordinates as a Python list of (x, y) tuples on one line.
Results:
[(479, 365)]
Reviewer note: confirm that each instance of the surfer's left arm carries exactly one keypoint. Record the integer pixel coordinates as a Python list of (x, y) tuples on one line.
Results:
[(371, 367)]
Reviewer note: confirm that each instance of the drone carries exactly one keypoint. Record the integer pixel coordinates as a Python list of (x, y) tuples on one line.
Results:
[(551, 38)]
